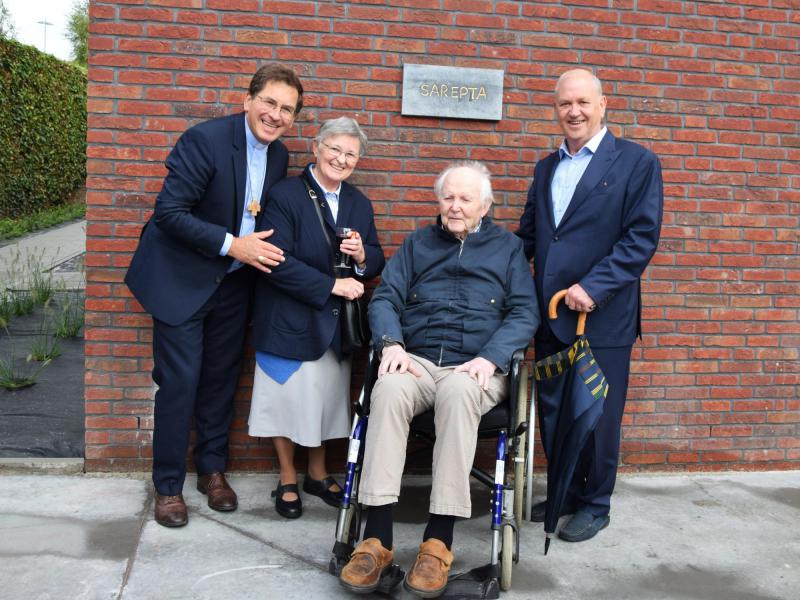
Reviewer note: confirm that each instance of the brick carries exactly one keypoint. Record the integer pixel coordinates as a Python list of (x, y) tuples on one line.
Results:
[(707, 89)]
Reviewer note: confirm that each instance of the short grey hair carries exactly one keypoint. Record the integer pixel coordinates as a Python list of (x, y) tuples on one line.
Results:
[(598, 84), (343, 126), (478, 167)]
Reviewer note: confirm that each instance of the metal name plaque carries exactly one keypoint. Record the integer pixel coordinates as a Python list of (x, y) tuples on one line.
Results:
[(458, 92)]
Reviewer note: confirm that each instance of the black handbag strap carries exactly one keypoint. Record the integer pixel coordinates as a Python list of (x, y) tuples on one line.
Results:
[(314, 200)]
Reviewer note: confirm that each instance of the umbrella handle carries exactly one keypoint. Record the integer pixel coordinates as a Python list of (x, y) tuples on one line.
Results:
[(553, 313)]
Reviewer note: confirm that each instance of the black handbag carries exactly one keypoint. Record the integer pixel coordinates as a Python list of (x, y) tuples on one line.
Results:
[(353, 320)]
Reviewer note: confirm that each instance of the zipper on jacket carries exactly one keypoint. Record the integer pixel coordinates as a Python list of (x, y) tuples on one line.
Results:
[(458, 265)]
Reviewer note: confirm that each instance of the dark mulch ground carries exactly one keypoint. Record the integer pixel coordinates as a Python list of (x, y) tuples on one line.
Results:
[(46, 419)]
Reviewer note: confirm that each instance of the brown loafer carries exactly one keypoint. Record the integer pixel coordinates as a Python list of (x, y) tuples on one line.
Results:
[(428, 577), (220, 495), (171, 511), (368, 562)]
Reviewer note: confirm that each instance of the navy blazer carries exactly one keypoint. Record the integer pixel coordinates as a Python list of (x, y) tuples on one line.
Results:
[(607, 236), (177, 265), (294, 313)]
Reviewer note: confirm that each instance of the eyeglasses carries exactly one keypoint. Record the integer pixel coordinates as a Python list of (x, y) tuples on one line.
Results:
[(287, 112), (335, 152)]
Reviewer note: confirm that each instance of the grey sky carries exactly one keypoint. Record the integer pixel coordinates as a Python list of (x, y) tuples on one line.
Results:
[(26, 13)]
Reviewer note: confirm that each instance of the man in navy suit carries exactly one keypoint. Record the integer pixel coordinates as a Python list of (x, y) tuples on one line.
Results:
[(591, 224), (193, 272)]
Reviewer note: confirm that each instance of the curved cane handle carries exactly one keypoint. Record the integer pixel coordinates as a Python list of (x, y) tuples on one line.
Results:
[(553, 312)]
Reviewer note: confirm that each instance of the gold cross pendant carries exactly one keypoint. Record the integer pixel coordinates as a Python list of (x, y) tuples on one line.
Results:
[(254, 207)]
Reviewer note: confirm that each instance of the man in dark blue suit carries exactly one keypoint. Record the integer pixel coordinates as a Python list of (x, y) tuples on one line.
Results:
[(591, 224), (193, 272)]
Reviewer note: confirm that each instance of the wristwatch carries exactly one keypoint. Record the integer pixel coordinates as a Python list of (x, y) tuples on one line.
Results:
[(386, 340)]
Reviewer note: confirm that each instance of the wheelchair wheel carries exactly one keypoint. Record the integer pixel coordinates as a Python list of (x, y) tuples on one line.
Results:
[(521, 455), (506, 557)]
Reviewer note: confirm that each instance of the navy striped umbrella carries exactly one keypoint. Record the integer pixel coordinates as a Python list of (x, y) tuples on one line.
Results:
[(571, 394)]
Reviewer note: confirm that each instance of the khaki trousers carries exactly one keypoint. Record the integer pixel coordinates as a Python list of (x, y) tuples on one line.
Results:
[(458, 403)]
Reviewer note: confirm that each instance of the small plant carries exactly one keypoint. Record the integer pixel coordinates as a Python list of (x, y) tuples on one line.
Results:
[(69, 320), (12, 378), (45, 346), (40, 282), (22, 303), (6, 306)]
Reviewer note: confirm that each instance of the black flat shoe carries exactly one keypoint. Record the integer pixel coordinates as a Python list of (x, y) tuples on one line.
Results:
[(322, 490), (291, 509)]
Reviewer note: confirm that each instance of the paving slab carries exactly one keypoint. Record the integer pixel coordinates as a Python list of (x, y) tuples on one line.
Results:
[(730, 536), (52, 247), (67, 537)]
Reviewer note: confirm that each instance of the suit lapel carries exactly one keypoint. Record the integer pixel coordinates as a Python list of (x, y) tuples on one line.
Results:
[(267, 179), (239, 171), (598, 166), (549, 171), (327, 216), (276, 165), (345, 205)]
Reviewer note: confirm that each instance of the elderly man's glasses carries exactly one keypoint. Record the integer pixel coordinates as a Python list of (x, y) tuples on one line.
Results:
[(287, 112), (335, 152)]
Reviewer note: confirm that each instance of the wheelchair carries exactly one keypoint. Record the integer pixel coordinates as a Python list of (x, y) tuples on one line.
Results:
[(511, 483)]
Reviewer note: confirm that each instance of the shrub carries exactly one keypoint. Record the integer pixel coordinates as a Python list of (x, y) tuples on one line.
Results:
[(42, 130)]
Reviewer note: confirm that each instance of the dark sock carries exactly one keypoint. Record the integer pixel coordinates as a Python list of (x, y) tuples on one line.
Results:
[(441, 528), (379, 524)]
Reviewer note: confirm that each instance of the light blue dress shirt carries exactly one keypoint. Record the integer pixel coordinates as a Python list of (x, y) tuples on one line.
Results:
[(256, 173), (569, 171)]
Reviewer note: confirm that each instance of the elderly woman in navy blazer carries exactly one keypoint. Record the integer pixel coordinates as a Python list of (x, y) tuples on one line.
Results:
[(301, 388)]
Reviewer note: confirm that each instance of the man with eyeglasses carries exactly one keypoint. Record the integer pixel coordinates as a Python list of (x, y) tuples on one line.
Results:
[(193, 272)]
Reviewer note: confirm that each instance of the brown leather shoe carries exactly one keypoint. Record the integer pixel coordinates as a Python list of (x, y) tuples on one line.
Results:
[(171, 511), (220, 495), (367, 563), (428, 577)]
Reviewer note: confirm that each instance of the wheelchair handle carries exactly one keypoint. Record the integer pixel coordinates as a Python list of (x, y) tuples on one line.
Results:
[(553, 312)]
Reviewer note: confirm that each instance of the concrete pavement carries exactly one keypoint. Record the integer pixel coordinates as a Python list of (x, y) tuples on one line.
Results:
[(731, 536), (53, 247)]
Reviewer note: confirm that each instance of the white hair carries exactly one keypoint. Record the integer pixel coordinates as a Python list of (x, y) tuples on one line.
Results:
[(478, 167), (598, 84)]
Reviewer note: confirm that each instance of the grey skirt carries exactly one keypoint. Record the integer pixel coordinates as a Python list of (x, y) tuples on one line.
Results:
[(312, 406)]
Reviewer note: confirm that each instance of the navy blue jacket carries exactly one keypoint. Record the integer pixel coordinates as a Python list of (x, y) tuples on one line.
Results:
[(294, 313), (450, 302), (604, 240), (177, 265)]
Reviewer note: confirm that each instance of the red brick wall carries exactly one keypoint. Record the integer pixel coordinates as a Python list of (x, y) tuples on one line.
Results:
[(712, 87)]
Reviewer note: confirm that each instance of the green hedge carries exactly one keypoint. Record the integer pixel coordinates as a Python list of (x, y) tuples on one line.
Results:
[(42, 130)]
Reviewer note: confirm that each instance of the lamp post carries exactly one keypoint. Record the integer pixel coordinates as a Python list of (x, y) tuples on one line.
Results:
[(44, 23)]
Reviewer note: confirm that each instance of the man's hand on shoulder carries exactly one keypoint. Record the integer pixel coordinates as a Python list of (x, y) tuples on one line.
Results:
[(394, 359), (254, 251), (480, 369)]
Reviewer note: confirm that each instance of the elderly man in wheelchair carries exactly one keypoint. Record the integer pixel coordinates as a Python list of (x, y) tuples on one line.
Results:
[(454, 303)]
